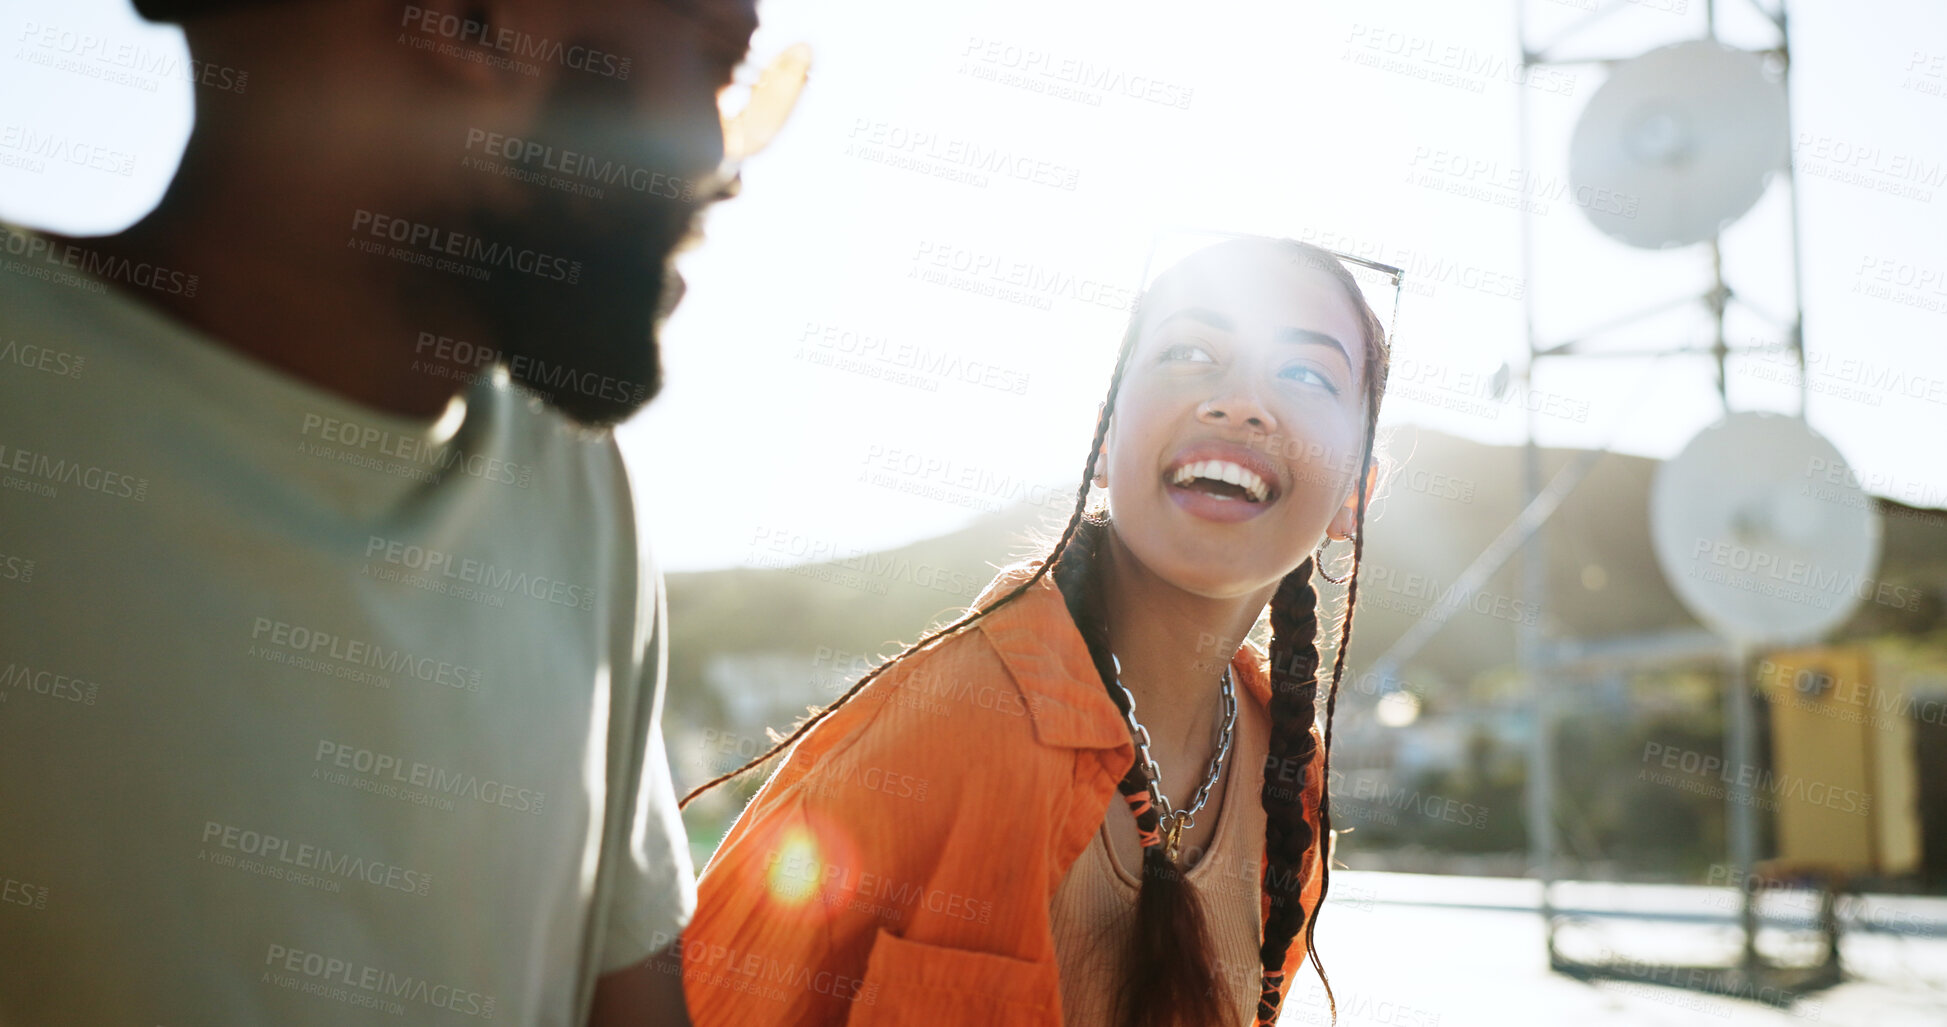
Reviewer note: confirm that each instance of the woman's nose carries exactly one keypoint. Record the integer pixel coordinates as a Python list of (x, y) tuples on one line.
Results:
[(1238, 407)]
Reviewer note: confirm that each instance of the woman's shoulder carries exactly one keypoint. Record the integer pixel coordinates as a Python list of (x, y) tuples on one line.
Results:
[(1254, 665), (998, 705), (942, 733), (953, 699), (868, 824), (961, 683), (983, 676), (1251, 667)]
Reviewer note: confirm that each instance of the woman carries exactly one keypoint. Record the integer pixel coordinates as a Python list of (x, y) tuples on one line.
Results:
[(939, 845)]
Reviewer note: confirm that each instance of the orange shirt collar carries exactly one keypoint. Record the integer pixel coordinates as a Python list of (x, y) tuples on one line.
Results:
[(1050, 664)]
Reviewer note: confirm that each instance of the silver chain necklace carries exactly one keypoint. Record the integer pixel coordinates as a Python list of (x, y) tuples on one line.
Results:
[(1171, 823)]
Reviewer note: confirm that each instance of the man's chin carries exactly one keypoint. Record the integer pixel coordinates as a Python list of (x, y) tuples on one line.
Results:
[(592, 399), (590, 348), (587, 342)]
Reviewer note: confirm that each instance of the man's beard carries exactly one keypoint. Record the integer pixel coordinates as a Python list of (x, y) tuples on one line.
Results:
[(581, 328)]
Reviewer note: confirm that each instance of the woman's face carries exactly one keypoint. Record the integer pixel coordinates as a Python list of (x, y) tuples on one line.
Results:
[(1240, 421)]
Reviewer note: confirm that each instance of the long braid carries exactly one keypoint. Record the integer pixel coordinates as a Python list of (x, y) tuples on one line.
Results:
[(1288, 832), (965, 620), (1331, 707), (1171, 979), (1294, 659)]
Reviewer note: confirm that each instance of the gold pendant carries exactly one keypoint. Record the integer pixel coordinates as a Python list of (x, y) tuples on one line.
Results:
[(1172, 830)]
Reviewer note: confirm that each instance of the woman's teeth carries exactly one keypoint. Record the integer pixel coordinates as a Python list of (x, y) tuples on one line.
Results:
[(1224, 471)]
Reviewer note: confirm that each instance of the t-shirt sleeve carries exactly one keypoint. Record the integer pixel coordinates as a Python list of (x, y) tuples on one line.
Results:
[(655, 885), (652, 892)]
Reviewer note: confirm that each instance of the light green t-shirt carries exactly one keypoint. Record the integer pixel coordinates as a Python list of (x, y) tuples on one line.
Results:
[(310, 714)]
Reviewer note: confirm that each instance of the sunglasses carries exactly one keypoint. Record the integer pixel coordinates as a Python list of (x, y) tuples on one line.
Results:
[(1379, 284)]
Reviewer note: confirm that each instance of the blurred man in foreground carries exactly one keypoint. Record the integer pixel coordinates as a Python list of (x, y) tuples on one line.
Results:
[(331, 657)]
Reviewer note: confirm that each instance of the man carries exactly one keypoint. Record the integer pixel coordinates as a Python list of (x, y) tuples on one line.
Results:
[(330, 663)]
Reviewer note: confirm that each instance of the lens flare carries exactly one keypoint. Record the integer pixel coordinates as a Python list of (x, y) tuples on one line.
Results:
[(798, 867)]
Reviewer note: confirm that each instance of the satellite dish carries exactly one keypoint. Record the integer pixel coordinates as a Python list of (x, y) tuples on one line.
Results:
[(1678, 143), (1762, 530)]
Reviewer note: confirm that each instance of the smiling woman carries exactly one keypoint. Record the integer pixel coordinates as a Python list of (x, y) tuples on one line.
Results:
[(1237, 434)]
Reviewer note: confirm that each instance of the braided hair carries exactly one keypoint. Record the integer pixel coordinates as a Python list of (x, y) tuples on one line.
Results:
[(1289, 834), (1172, 977)]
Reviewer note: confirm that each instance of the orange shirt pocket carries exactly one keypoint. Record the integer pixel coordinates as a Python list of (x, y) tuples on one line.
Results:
[(911, 982)]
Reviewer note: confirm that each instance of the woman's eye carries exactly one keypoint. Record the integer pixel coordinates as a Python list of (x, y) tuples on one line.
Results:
[(1189, 352), (1301, 373)]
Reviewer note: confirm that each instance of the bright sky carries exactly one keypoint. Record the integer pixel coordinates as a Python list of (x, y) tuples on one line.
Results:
[(833, 381)]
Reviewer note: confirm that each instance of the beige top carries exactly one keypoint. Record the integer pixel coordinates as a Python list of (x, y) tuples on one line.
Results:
[(1094, 908)]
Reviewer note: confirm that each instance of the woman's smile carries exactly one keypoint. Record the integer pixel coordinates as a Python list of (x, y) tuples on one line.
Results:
[(1222, 481)]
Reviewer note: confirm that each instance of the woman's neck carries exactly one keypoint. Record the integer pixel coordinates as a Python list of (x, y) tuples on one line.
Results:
[(1173, 646)]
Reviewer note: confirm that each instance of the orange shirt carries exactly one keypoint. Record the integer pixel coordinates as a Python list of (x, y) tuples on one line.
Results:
[(899, 866)]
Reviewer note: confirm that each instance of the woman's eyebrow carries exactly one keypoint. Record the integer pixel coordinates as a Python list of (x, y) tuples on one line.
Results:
[(1311, 337)]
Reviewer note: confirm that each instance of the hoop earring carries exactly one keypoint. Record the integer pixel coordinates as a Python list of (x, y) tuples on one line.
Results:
[(1318, 561)]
